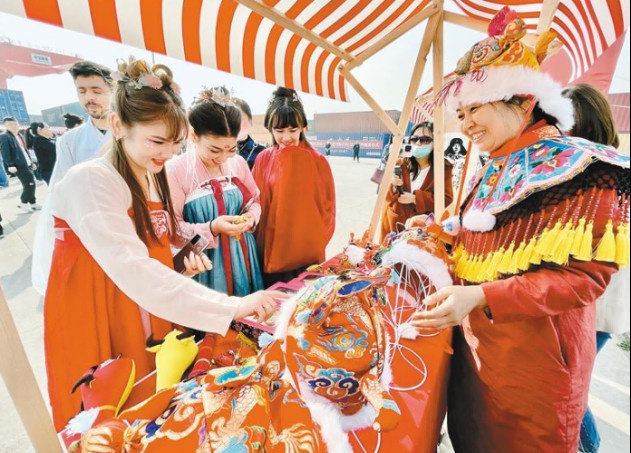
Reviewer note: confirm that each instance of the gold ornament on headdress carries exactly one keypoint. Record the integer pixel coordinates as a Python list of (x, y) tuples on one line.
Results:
[(504, 45)]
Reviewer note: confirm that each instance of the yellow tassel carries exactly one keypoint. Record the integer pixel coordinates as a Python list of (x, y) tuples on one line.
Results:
[(606, 250), (578, 237), (536, 257), (460, 263), (620, 247), (473, 274), (586, 249), (514, 265), (524, 263), (466, 261), (548, 240), (479, 269), (484, 269), (475, 269), (457, 254), (563, 246), (491, 272), (504, 266), (465, 268), (471, 270)]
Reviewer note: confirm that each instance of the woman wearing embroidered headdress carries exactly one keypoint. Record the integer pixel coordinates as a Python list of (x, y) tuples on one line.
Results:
[(214, 195), (543, 230)]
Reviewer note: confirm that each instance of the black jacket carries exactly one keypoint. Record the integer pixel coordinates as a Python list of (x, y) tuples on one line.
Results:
[(12, 151), (249, 150), (45, 152)]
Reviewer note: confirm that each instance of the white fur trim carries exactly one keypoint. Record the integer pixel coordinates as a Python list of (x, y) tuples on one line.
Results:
[(421, 261), (407, 331), (286, 312), (386, 375), (82, 422), (504, 82), (479, 221), (356, 255)]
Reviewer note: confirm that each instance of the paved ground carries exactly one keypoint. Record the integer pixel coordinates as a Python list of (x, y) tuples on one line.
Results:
[(609, 395)]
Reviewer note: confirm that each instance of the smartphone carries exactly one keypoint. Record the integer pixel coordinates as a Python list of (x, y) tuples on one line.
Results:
[(399, 173), (197, 245)]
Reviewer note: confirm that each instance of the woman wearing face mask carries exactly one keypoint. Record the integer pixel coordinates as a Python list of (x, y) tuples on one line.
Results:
[(112, 283), (412, 193), (543, 230), (213, 190)]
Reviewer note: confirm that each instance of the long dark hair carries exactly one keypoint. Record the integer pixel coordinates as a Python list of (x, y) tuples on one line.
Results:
[(286, 110), (593, 118), (71, 120), (31, 133), (134, 104), (214, 114)]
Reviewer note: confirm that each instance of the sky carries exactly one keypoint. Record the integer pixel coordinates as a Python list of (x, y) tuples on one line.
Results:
[(388, 86)]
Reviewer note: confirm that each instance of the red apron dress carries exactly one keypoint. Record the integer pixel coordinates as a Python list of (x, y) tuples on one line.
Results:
[(88, 319)]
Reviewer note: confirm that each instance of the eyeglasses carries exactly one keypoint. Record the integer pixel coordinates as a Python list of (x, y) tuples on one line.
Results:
[(421, 140)]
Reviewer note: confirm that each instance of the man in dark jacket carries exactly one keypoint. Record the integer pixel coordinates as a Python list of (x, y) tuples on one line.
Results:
[(247, 147), (356, 152), (19, 163)]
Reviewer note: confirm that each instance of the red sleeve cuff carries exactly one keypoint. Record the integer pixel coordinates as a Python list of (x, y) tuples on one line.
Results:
[(496, 299)]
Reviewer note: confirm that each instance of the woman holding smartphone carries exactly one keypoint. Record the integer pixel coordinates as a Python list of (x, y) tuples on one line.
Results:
[(412, 189), (111, 283), (215, 196)]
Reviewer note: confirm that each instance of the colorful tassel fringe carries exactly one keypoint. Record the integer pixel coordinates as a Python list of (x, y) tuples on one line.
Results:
[(554, 245)]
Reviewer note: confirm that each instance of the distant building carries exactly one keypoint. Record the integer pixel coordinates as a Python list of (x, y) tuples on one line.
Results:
[(54, 116), (12, 104)]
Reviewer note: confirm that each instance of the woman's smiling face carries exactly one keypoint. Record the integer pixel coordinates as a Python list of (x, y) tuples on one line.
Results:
[(490, 125), (215, 150), (287, 136), (147, 145)]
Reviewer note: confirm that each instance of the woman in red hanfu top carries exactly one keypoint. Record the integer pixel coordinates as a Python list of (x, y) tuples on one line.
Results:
[(543, 230), (111, 283), (297, 194)]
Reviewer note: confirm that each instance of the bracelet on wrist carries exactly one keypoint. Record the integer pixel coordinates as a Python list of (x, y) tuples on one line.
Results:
[(210, 226)]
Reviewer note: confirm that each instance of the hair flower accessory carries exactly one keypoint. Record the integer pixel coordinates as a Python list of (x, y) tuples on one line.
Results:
[(175, 88), (118, 76), (149, 80)]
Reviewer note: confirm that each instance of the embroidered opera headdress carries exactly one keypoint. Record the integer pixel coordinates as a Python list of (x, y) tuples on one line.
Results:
[(501, 66)]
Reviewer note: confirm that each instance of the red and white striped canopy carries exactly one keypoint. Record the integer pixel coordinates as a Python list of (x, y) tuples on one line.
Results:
[(226, 35), (586, 28)]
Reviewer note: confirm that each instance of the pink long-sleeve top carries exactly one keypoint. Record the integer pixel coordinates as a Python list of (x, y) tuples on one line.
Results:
[(186, 174)]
